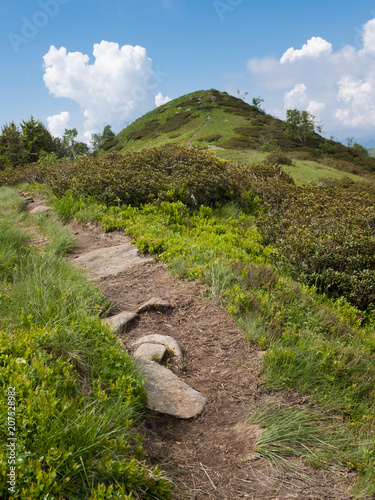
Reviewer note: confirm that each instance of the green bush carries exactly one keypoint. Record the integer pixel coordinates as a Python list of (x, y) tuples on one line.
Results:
[(279, 158), (325, 236), (169, 173)]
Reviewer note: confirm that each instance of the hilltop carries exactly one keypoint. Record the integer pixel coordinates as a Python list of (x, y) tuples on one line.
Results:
[(236, 130)]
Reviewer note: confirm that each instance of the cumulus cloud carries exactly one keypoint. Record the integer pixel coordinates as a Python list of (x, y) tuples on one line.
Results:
[(160, 99), (314, 48), (58, 123), (118, 86), (337, 86)]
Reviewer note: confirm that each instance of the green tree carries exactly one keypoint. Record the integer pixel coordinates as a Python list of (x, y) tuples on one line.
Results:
[(81, 148), (68, 142), (36, 139), (95, 141), (12, 149), (301, 124), (98, 140), (256, 102), (360, 149)]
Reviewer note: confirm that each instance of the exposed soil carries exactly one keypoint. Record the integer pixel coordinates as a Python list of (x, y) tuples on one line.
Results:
[(211, 457)]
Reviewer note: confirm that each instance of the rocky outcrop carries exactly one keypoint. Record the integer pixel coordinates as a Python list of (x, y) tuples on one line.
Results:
[(155, 303), (41, 209), (150, 352), (169, 342), (119, 322), (111, 261), (166, 393)]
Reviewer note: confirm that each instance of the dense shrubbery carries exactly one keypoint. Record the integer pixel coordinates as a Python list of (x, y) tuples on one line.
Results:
[(325, 236), (165, 174)]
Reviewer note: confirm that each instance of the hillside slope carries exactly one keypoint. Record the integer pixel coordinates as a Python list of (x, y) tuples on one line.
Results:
[(213, 119)]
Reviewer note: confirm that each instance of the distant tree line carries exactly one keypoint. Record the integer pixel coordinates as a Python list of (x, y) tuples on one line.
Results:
[(32, 142)]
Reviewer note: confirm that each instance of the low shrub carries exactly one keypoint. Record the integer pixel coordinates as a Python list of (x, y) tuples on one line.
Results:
[(279, 158), (325, 236)]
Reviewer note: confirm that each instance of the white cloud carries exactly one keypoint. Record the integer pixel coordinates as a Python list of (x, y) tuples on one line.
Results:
[(58, 123), (160, 99), (369, 37), (314, 48), (296, 97), (118, 86), (338, 86), (315, 108)]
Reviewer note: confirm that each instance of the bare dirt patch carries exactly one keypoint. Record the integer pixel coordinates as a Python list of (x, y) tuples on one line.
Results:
[(211, 457)]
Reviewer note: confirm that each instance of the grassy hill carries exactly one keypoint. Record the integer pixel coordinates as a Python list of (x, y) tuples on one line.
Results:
[(236, 130), (371, 152)]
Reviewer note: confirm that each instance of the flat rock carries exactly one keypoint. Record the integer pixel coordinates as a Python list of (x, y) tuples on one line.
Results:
[(166, 393), (111, 261), (155, 303), (150, 352), (118, 323), (169, 342), (41, 209)]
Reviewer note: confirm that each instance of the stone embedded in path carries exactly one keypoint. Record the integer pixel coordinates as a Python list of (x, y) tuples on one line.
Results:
[(166, 393), (155, 303), (118, 323), (111, 261), (150, 352), (169, 342), (41, 209)]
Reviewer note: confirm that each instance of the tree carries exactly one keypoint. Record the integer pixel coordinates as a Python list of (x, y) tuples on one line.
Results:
[(98, 140), (241, 95), (68, 142), (12, 149), (301, 124), (95, 141), (81, 148), (256, 102), (360, 149), (349, 142), (37, 140)]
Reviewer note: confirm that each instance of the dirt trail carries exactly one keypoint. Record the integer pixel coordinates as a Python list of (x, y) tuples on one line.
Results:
[(188, 142), (212, 456)]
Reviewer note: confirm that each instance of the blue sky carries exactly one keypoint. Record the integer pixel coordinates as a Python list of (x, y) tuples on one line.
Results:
[(318, 56)]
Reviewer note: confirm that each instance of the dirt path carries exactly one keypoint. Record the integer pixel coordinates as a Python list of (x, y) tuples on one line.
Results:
[(188, 142), (212, 456)]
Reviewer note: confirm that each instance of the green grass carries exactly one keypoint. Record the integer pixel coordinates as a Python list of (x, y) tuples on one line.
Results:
[(246, 157), (296, 431), (78, 395), (314, 345), (306, 172)]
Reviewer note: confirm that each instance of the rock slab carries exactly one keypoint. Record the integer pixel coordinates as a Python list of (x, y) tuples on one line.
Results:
[(111, 261), (169, 342), (156, 303), (150, 352), (41, 209), (166, 393), (118, 323)]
